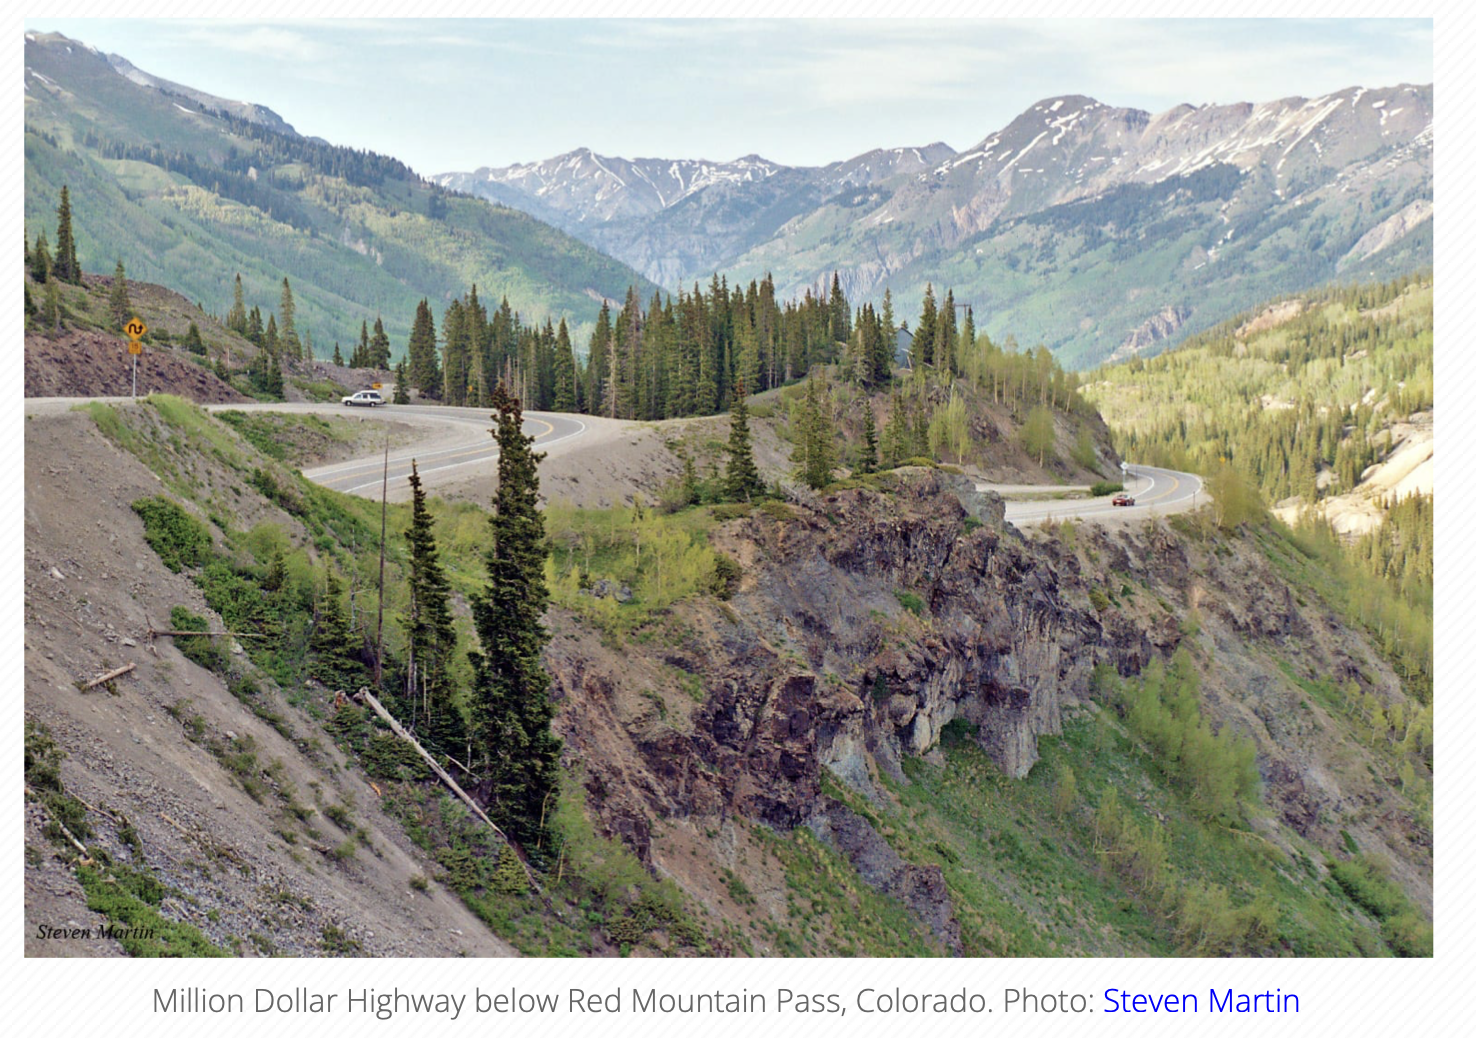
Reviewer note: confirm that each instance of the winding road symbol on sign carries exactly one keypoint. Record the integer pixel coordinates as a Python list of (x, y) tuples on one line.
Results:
[(136, 329)]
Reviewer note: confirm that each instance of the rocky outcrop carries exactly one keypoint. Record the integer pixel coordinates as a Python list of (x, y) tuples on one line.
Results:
[(1155, 329), (865, 622)]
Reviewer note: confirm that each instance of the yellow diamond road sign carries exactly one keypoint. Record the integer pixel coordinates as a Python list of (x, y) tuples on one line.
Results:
[(136, 329)]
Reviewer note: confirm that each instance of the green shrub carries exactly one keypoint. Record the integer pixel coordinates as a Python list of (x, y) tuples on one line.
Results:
[(508, 876), (1104, 487), (179, 539), (726, 573), (911, 602)]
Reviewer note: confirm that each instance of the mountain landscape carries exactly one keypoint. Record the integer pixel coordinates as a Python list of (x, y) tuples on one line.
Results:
[(192, 190), (1098, 231), (1025, 550)]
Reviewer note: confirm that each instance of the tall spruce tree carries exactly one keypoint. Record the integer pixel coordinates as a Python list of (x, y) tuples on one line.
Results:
[(565, 372), (236, 319), (425, 361), (379, 347), (742, 482), (360, 357), (516, 749), (65, 266), (817, 432), (337, 355), (287, 331), (924, 339), (119, 307), (430, 632)]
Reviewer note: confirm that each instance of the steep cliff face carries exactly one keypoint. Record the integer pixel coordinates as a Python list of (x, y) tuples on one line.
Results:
[(866, 621)]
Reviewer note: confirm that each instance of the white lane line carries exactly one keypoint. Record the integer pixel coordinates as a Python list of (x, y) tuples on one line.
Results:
[(469, 461), (341, 468)]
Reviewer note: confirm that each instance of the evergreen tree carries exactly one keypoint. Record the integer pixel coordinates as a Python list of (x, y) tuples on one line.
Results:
[(288, 330), (924, 339), (41, 260), (66, 266), (817, 432), (868, 441), (337, 355), (360, 357), (333, 645), (402, 385), (270, 340), (274, 385), (518, 753), (236, 319), (895, 445), (430, 632), (743, 482), (379, 347), (565, 372), (119, 306), (192, 340), (425, 363), (457, 354), (840, 311), (254, 329), (888, 345)]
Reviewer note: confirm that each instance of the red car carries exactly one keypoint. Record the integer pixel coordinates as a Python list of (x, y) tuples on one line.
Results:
[(1124, 500)]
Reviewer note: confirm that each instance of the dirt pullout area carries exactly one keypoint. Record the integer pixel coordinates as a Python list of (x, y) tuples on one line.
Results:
[(88, 363), (613, 461), (159, 749)]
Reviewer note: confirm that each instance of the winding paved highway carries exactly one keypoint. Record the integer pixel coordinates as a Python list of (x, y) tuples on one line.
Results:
[(456, 436), (1157, 492)]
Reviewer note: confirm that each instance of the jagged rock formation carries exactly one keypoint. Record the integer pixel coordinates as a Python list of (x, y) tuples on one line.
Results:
[(866, 622)]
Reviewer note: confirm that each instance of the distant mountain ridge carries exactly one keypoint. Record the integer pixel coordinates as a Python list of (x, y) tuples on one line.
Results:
[(1267, 197), (189, 188)]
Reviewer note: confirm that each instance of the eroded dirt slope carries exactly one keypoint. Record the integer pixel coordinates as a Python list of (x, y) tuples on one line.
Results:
[(93, 589)]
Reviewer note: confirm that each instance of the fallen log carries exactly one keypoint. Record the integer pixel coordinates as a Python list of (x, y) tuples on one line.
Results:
[(86, 858), (367, 697), (202, 634), (109, 676)]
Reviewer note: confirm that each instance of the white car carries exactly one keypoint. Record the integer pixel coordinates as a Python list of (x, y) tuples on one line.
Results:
[(365, 397)]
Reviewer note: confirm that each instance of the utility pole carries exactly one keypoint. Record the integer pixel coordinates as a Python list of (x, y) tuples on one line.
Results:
[(383, 508)]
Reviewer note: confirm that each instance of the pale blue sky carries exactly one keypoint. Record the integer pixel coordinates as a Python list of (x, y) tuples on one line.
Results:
[(457, 94)]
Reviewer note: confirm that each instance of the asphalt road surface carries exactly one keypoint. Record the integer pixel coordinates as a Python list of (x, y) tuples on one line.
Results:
[(455, 436), (1156, 491)]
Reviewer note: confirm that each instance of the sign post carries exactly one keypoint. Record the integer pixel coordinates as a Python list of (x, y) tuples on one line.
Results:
[(136, 330)]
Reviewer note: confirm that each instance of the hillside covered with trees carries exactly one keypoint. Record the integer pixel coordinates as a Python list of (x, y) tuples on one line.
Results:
[(189, 196)]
